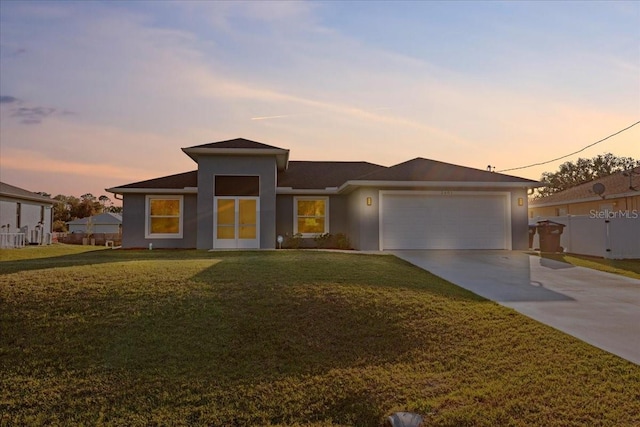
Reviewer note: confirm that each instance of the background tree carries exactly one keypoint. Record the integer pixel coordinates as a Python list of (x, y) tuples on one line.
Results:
[(582, 170), (89, 206), (68, 208), (105, 202)]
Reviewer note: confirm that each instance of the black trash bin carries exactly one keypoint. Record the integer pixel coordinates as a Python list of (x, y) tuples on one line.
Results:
[(550, 233), (532, 232)]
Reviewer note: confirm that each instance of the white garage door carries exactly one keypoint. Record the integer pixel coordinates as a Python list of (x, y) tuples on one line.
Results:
[(428, 220)]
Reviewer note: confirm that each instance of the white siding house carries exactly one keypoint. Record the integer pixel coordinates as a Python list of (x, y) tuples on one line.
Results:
[(25, 217)]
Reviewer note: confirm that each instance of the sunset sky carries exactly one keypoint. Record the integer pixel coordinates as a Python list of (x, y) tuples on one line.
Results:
[(99, 94)]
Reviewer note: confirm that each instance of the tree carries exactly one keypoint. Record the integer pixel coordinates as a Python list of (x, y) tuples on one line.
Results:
[(105, 202), (582, 170), (88, 206)]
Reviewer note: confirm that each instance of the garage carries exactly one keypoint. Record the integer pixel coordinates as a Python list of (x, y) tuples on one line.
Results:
[(444, 220)]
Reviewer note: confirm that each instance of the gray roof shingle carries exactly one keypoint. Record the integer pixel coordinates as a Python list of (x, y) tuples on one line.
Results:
[(105, 218), (420, 169), (320, 175), (177, 181), (238, 143)]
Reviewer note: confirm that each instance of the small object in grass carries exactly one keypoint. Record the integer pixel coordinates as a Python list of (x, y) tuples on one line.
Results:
[(150, 246), (405, 419)]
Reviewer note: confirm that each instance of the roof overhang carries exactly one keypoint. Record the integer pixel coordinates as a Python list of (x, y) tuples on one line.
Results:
[(125, 190), (347, 187), (314, 191), (36, 198), (351, 185), (282, 155)]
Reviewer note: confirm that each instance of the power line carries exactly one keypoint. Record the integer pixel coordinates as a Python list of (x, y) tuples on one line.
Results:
[(575, 152)]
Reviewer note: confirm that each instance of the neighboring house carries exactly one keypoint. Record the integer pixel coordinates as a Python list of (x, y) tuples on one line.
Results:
[(244, 194), (25, 212), (620, 193), (102, 223)]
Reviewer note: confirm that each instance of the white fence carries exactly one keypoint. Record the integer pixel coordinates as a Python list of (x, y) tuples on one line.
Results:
[(12, 240), (617, 237)]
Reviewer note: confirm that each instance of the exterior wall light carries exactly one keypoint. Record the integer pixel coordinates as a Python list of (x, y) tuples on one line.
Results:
[(520, 201), (369, 201)]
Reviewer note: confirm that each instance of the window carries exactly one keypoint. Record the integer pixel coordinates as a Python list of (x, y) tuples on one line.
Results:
[(237, 185), (311, 215), (164, 217)]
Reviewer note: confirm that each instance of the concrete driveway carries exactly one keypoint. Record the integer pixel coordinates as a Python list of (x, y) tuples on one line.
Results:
[(599, 308)]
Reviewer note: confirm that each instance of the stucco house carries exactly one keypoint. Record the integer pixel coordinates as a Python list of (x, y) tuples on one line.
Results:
[(24, 212), (105, 222), (244, 194), (619, 192)]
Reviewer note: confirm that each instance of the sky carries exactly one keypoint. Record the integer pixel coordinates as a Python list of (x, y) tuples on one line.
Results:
[(99, 94)]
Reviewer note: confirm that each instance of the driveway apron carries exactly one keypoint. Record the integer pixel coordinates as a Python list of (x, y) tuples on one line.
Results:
[(602, 309)]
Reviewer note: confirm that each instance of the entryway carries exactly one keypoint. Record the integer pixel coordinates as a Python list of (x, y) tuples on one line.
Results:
[(236, 223)]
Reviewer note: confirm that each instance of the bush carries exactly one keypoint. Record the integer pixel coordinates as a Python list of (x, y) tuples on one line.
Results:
[(293, 242), (342, 241), (323, 241)]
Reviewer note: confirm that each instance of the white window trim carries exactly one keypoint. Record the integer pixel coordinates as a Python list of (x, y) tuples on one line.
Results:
[(295, 214), (147, 217)]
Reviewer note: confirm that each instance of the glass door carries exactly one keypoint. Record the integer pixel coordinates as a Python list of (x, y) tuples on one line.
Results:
[(236, 223)]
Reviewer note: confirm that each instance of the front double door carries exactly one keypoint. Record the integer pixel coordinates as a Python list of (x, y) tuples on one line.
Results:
[(236, 223)]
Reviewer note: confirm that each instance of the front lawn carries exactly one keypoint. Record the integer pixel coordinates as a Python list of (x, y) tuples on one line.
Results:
[(115, 337), (624, 267)]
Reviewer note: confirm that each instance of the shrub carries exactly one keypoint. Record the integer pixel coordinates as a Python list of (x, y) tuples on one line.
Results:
[(323, 240), (293, 242), (342, 241)]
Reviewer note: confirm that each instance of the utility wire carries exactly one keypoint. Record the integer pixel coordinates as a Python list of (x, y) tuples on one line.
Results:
[(575, 152)]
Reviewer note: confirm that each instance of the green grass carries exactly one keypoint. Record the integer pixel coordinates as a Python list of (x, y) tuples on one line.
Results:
[(281, 338), (624, 267)]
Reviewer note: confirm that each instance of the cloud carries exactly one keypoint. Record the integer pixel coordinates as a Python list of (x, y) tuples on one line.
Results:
[(30, 115), (5, 99)]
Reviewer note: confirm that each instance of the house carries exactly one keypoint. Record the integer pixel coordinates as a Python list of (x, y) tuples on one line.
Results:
[(27, 216), (619, 192), (244, 194), (106, 222)]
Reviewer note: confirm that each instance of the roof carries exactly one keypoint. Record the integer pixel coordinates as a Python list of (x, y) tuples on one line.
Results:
[(420, 169), (177, 181), (238, 143), (105, 218), (320, 175), (617, 184), (239, 147), (8, 190)]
